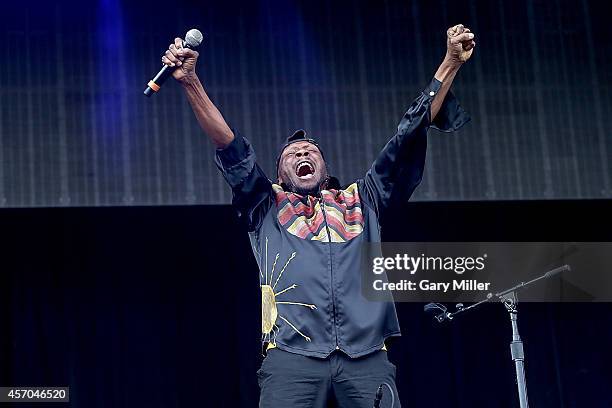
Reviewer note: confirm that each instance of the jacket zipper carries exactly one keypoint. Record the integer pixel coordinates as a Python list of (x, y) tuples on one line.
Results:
[(331, 270)]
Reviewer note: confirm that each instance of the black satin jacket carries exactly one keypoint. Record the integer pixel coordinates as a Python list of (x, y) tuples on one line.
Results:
[(309, 248)]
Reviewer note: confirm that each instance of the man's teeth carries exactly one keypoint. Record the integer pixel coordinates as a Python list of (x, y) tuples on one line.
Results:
[(304, 170), (304, 164)]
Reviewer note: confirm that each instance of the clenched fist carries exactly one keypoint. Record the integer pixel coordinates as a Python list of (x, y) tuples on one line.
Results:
[(459, 43), (184, 59)]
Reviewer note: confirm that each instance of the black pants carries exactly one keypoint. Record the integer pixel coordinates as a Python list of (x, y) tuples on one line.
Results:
[(289, 380)]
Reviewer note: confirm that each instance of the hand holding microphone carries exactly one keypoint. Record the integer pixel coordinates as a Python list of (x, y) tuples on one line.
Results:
[(179, 60)]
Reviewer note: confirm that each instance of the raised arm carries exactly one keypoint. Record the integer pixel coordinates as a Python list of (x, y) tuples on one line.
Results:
[(459, 47), (235, 156), (399, 167), (210, 119)]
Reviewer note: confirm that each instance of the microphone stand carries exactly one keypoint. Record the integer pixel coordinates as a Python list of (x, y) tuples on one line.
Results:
[(509, 299)]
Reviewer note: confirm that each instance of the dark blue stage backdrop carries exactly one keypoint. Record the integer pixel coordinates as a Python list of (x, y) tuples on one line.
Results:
[(76, 130)]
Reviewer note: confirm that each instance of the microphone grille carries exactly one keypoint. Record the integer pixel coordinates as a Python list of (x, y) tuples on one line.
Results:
[(193, 38)]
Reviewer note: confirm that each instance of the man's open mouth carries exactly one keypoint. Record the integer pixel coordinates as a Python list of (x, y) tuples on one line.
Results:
[(305, 170)]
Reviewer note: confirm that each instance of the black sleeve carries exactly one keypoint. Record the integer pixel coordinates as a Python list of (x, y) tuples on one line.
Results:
[(251, 189), (399, 167)]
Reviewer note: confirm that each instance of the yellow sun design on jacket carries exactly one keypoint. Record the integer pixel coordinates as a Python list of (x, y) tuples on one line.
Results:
[(269, 302)]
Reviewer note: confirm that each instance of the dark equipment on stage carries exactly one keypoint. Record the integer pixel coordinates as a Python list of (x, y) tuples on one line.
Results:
[(379, 395), (193, 39), (509, 299)]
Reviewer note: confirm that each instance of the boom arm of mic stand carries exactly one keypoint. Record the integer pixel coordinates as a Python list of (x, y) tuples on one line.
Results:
[(502, 296), (549, 274), (470, 307), (445, 315)]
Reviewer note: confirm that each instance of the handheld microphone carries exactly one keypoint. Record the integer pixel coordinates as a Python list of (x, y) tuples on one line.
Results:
[(193, 38)]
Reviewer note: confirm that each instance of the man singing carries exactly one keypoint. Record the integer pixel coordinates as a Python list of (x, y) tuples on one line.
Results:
[(324, 340)]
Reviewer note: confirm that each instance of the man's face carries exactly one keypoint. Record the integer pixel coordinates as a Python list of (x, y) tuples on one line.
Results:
[(302, 168)]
